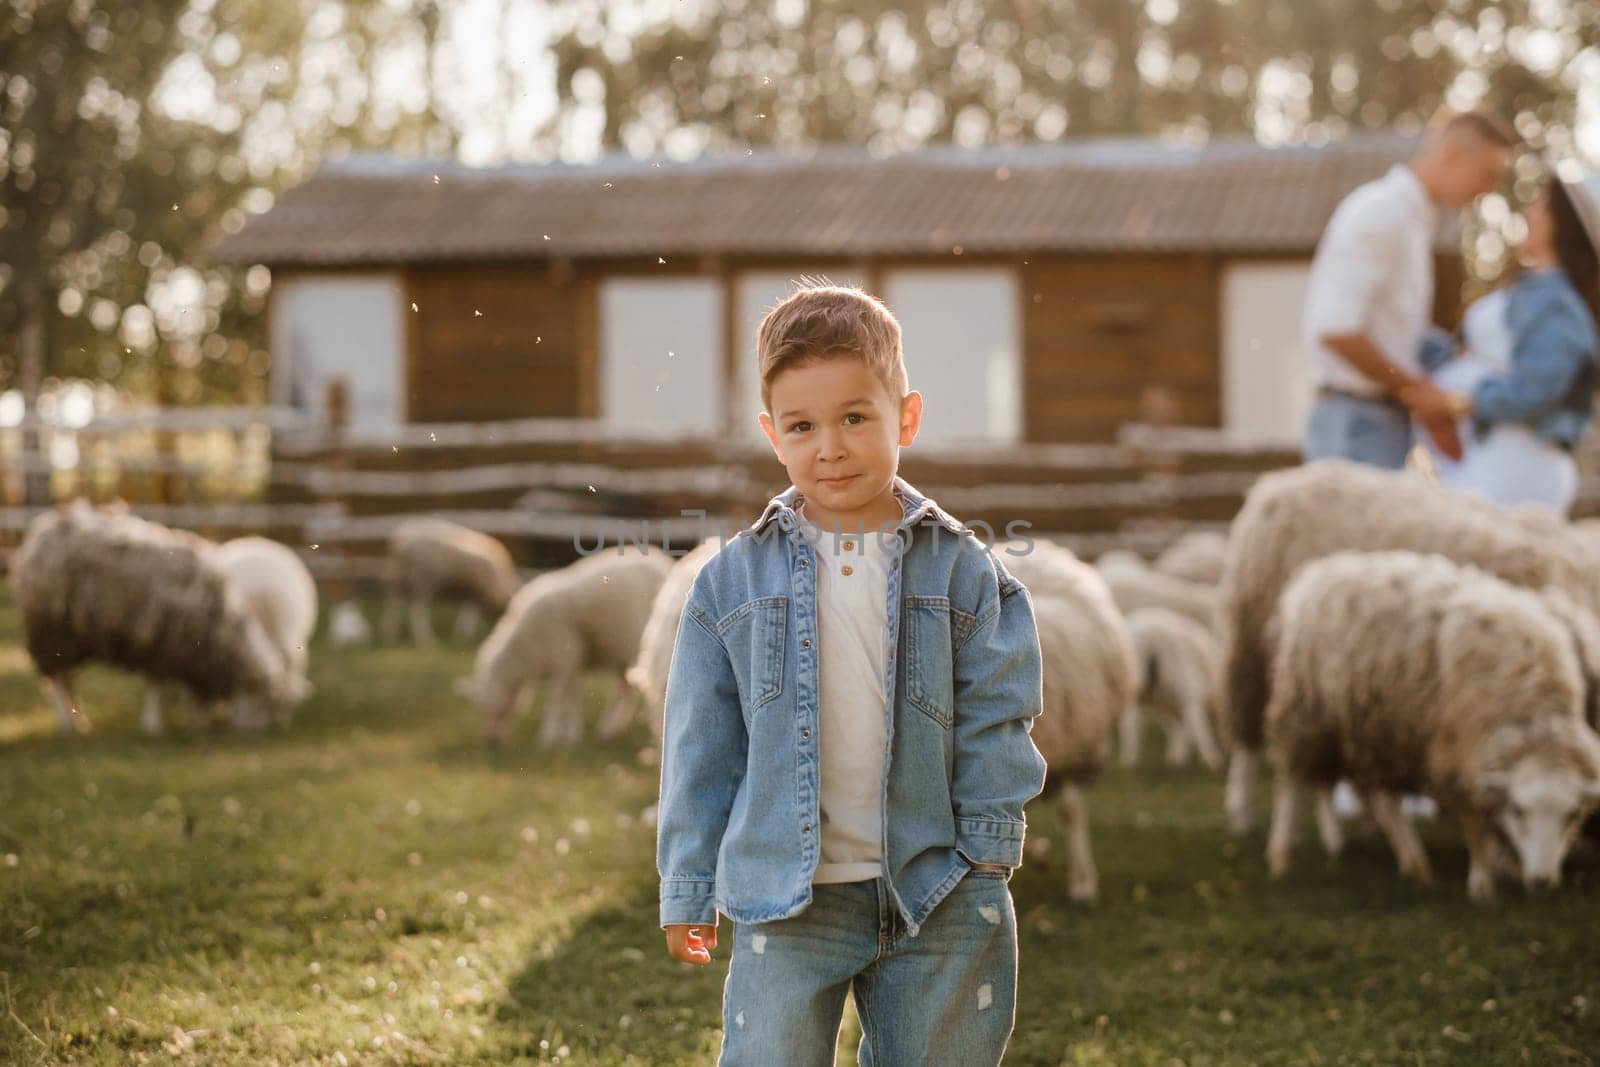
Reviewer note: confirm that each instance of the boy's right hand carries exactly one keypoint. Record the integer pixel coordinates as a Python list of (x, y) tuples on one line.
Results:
[(692, 942)]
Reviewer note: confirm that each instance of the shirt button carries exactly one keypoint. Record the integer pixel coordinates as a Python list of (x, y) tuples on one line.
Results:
[(805, 642), (805, 732), (805, 563), (806, 828), (847, 570), (848, 545)]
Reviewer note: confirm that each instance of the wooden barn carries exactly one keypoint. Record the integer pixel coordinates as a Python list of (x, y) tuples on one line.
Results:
[(1048, 293)]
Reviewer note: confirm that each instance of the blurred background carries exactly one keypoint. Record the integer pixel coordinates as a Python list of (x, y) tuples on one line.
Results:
[(154, 255)]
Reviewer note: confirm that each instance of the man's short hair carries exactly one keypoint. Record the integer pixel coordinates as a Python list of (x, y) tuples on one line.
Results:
[(822, 321), (1478, 123)]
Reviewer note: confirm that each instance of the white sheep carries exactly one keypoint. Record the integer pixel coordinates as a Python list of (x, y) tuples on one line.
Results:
[(1197, 556), (1090, 683), (1404, 673), (586, 616), (435, 559), (103, 585), (1292, 517), (1180, 666), (649, 672), (1135, 585)]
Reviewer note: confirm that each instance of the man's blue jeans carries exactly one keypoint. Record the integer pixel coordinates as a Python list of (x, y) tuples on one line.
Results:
[(1364, 431), (946, 996)]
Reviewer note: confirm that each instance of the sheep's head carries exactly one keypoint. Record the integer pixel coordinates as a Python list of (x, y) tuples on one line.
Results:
[(1537, 806), (491, 699)]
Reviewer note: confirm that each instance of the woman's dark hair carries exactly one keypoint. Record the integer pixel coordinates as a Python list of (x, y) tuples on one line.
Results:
[(1575, 250)]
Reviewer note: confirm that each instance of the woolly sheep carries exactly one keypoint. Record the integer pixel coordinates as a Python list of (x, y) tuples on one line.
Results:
[(1180, 667), (435, 559), (649, 672), (1410, 673), (277, 589), (1292, 517), (586, 616), (1197, 556), (1135, 586), (103, 585), (1090, 683)]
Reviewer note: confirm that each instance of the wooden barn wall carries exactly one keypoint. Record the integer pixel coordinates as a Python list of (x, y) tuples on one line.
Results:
[(1099, 330), (497, 341)]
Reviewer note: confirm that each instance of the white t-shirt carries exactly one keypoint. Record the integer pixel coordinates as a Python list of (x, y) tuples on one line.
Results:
[(853, 640), (1373, 274)]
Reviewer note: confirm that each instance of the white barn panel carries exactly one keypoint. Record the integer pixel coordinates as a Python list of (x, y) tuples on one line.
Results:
[(961, 332), (348, 326), (661, 354), (1266, 370), (757, 293)]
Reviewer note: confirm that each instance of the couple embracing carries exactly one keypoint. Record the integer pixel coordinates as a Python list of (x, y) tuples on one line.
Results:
[(1503, 405)]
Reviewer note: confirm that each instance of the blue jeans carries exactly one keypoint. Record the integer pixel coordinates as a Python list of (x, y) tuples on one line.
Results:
[(946, 996), (1364, 431)]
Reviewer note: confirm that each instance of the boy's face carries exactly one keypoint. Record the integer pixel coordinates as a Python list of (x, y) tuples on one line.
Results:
[(838, 432)]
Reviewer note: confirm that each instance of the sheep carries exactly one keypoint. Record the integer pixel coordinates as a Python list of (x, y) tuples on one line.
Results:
[(1090, 683), (1407, 673), (1292, 517), (432, 559), (103, 585), (1180, 679), (1197, 556), (1136, 585), (649, 672), (277, 589), (589, 615)]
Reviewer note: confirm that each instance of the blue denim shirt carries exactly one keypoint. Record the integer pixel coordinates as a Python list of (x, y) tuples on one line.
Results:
[(1553, 375), (738, 825)]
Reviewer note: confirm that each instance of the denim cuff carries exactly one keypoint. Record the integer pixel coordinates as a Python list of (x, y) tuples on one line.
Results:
[(688, 900), (988, 840)]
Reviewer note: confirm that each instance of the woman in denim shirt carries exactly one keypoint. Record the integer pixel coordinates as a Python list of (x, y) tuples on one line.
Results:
[(1523, 384)]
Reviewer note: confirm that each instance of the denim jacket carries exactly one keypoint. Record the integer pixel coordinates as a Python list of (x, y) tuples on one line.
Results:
[(1553, 374), (738, 824)]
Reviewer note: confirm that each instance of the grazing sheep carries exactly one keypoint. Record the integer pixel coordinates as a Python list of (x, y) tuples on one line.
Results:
[(277, 589), (1293, 517), (586, 616), (1197, 556), (1410, 673), (1090, 683), (1135, 586), (104, 585), (649, 672), (434, 559), (1180, 680)]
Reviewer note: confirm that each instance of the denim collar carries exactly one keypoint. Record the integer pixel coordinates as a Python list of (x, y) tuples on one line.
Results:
[(917, 506)]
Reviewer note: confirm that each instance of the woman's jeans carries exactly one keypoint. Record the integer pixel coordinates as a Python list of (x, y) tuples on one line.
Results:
[(946, 996)]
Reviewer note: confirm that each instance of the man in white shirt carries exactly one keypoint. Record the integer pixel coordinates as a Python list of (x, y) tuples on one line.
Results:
[(1370, 295)]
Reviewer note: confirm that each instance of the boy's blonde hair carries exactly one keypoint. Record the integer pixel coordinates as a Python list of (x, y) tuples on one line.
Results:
[(822, 321)]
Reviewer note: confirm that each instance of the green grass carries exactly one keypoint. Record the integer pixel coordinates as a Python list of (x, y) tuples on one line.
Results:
[(375, 886)]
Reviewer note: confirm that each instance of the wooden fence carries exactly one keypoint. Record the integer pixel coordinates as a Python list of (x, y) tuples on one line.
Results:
[(549, 486)]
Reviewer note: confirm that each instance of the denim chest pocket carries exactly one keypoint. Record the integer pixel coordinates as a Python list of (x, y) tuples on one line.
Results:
[(933, 630), (754, 637)]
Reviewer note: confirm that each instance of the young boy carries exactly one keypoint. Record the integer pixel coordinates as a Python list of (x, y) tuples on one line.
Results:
[(847, 749)]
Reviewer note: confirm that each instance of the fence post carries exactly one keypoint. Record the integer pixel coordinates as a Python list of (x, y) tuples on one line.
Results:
[(335, 460)]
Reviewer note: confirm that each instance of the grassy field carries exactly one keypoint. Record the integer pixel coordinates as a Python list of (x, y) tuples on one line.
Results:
[(375, 886)]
